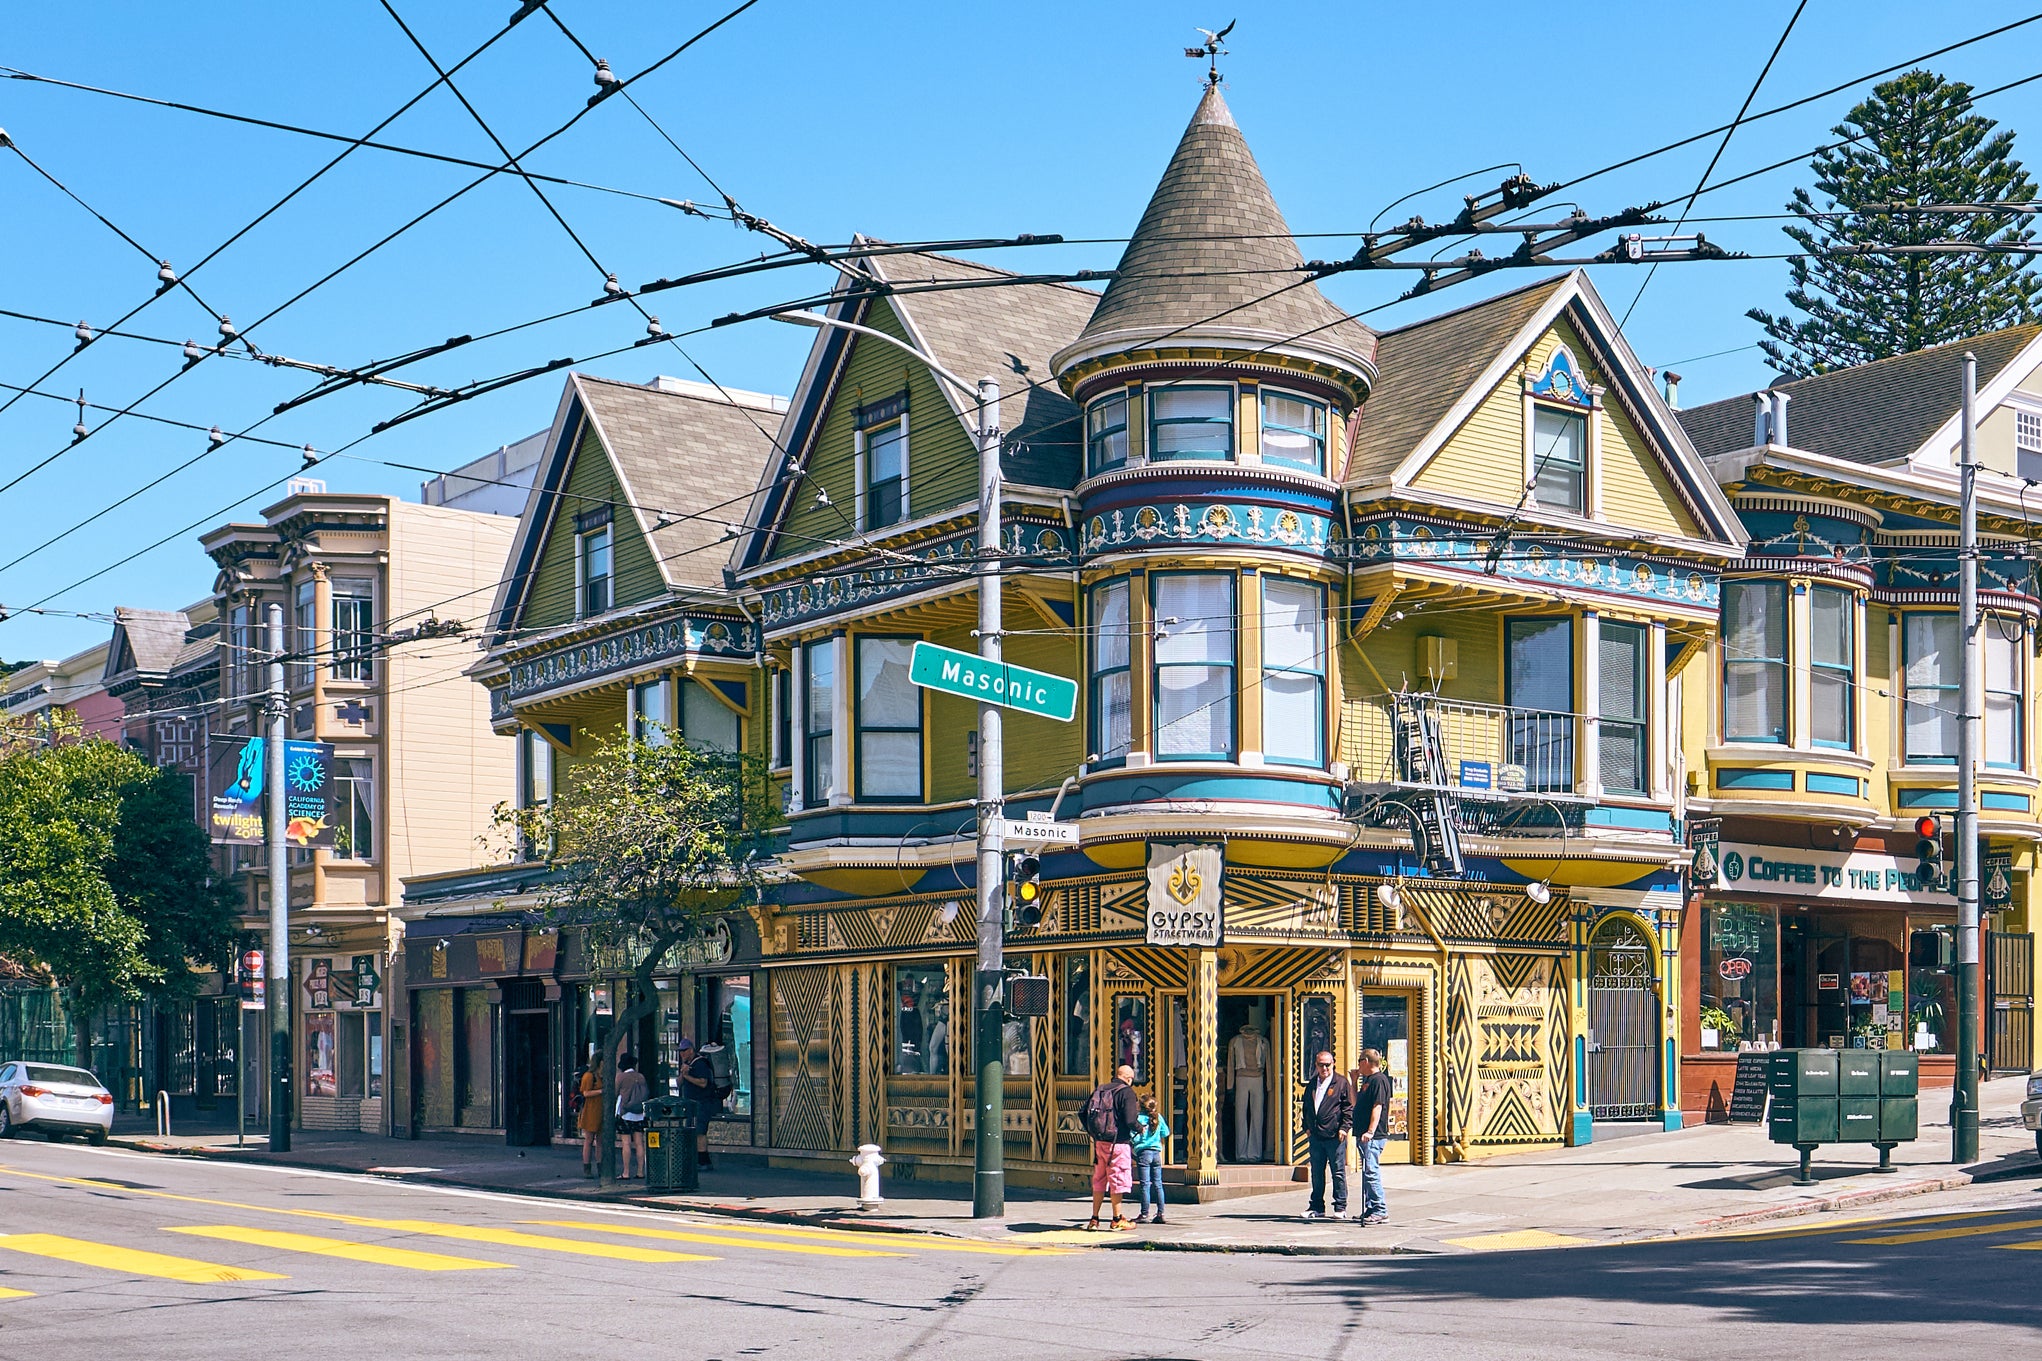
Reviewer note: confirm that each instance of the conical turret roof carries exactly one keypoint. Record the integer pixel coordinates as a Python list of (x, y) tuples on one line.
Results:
[(1209, 258)]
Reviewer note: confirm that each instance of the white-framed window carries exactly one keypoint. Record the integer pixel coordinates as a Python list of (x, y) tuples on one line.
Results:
[(819, 722), (354, 808), (1622, 706), (1293, 671), (652, 715), (305, 631), (592, 552), (2028, 442), (240, 650), (1754, 661), (707, 722), (2000, 641), (1293, 432), (535, 770), (780, 695), (1112, 674), (1191, 421), (1832, 667), (1934, 669), (354, 629), (885, 459), (1559, 475), (1194, 706), (889, 721), (1106, 434)]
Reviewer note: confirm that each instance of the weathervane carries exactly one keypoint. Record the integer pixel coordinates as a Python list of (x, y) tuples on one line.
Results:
[(1211, 50)]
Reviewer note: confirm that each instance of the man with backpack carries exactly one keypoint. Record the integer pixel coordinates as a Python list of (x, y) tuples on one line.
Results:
[(704, 1094), (1110, 1115)]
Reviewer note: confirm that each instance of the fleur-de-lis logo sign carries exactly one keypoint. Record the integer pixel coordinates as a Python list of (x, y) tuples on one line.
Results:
[(1184, 882)]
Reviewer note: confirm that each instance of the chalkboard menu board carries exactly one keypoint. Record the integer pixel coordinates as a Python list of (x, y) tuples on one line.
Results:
[(1747, 1098)]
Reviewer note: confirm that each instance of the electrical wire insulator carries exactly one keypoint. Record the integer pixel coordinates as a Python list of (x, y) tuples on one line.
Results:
[(215, 438), (605, 78), (311, 456), (192, 352), (79, 432), (227, 331), (655, 330), (165, 273), (84, 333), (612, 287)]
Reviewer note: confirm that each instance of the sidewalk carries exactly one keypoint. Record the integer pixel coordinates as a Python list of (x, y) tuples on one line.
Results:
[(1644, 1186)]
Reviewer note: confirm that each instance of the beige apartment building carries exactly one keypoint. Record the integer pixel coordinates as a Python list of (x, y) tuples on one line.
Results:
[(417, 769)]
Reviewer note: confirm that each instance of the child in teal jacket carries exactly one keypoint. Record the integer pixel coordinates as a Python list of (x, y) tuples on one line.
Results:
[(1149, 1138)]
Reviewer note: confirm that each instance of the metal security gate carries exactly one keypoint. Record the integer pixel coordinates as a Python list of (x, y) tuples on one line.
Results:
[(2010, 983), (1623, 1048)]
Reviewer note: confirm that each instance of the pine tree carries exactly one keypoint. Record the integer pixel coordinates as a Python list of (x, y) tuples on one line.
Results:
[(1915, 141)]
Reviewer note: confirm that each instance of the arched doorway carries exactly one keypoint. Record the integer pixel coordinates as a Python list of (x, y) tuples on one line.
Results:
[(1623, 1049)]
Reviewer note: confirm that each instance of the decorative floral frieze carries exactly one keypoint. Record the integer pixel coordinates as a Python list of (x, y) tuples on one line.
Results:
[(1555, 564), (1025, 543), (669, 638), (1201, 522)]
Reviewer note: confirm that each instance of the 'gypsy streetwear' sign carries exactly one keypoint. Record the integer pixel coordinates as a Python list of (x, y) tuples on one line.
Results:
[(1184, 895), (1789, 871)]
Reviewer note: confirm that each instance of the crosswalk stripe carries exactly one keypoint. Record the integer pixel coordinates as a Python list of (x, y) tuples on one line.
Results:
[(713, 1239), (516, 1238), (375, 1253), (1958, 1231), (918, 1242), (130, 1261), (7, 1294)]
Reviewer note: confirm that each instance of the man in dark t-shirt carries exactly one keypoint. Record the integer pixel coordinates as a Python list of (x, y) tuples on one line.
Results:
[(1372, 1092)]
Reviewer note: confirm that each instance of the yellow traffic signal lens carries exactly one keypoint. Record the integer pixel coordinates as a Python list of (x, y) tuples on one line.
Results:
[(1030, 890)]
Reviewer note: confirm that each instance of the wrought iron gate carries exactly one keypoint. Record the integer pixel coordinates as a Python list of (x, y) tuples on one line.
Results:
[(2010, 983), (1623, 1048)]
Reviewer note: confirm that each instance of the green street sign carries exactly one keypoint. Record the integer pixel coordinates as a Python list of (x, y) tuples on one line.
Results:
[(1002, 683)]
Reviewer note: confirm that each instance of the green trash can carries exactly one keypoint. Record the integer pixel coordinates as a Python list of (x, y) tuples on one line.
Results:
[(1858, 1072), (669, 1146), (1899, 1074)]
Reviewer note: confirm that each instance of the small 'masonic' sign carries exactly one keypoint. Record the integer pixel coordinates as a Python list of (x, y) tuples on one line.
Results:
[(1184, 894)]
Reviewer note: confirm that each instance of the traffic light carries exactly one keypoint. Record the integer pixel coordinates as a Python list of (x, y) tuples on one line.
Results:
[(1024, 887), (1928, 851)]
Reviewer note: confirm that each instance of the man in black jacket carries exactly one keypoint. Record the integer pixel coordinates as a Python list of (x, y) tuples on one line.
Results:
[(1329, 1115)]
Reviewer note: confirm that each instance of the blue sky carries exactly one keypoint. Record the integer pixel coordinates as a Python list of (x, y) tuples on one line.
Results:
[(913, 121)]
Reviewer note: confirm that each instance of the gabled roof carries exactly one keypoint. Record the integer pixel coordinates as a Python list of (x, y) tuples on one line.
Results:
[(1006, 331), (148, 642), (1424, 368), (1881, 412), (678, 448), (1211, 256)]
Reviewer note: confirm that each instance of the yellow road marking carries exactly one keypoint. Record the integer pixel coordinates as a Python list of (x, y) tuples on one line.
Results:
[(1515, 1238), (716, 1240), (130, 1261), (7, 1294), (1854, 1225), (919, 1242), (375, 1253), (1962, 1231)]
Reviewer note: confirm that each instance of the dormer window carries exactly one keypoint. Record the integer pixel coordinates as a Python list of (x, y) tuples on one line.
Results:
[(1559, 459), (1191, 422), (1106, 434), (883, 462), (592, 551), (1293, 432)]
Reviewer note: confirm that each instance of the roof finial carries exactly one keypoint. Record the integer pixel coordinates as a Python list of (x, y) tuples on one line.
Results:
[(1211, 50)]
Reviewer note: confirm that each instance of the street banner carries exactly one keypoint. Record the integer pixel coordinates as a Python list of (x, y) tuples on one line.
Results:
[(1705, 838), (239, 779), (1184, 894), (1996, 879)]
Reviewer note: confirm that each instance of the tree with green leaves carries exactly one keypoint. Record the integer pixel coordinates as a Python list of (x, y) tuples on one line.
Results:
[(651, 841), (1915, 142), (105, 880)]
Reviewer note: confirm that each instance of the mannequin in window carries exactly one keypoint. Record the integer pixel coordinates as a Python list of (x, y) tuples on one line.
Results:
[(939, 1039), (1248, 1080)]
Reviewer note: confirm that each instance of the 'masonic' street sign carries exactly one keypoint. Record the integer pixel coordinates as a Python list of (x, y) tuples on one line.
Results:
[(1003, 683)]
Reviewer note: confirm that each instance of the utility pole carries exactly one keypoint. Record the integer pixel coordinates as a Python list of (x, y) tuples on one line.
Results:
[(278, 994), (1964, 1097), (989, 1184)]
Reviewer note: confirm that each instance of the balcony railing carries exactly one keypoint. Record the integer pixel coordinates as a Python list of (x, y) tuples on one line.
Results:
[(1485, 749)]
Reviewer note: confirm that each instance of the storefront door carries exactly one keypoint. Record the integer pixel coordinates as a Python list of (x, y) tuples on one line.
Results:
[(1252, 1088), (527, 1064), (2010, 980), (1386, 1028), (1622, 1057)]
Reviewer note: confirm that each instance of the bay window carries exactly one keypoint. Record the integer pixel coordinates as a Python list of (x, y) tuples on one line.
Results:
[(652, 716), (1832, 667), (1934, 669), (1293, 432), (354, 808), (1293, 672), (354, 629), (2000, 640), (1112, 678), (305, 631), (707, 722), (1539, 687), (240, 650), (1106, 434), (1191, 422), (819, 667), (1754, 661), (889, 721), (1621, 707), (1194, 707)]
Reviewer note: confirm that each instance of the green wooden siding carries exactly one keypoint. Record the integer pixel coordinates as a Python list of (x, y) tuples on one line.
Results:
[(591, 481), (1039, 751), (942, 463)]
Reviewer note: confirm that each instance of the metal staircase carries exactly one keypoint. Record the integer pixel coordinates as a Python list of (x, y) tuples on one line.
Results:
[(1422, 761)]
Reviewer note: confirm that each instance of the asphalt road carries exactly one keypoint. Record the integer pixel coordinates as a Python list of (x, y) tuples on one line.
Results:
[(110, 1254)]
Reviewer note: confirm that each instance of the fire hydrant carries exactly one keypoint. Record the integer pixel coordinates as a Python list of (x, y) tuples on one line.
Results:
[(868, 1162)]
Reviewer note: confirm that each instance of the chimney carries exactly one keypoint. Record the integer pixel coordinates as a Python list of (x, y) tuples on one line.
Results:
[(1673, 389), (1762, 422), (1780, 400)]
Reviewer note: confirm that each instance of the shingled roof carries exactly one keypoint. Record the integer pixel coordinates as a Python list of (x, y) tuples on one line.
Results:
[(681, 449), (1880, 412), (1210, 251), (1008, 332), (1426, 367)]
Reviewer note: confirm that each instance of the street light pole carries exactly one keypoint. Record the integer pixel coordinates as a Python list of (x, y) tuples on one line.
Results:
[(1964, 1097), (277, 995), (989, 1182)]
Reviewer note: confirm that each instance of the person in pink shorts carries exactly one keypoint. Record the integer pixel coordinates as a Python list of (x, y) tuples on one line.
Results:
[(1110, 1116)]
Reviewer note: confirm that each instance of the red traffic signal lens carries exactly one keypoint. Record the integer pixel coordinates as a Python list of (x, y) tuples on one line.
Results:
[(1926, 826)]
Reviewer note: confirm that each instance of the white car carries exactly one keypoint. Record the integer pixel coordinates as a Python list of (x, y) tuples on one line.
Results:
[(55, 1100), (2031, 1110)]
